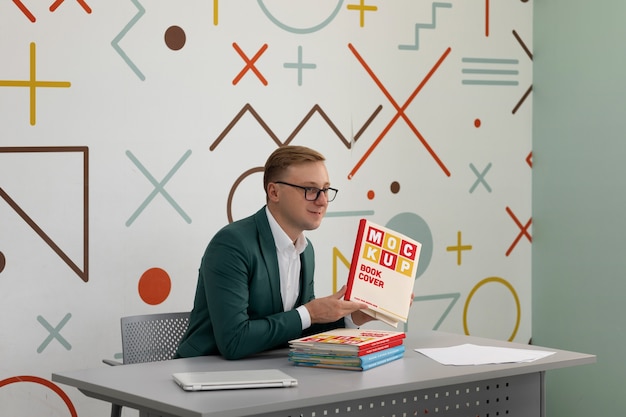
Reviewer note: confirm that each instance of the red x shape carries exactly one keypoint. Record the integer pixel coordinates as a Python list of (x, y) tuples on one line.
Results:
[(83, 4), (400, 111), (25, 10), (524, 231), (53, 7), (249, 64)]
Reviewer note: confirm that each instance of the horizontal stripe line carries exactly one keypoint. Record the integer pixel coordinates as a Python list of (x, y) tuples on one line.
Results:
[(349, 213), (487, 71), (489, 82), (490, 61)]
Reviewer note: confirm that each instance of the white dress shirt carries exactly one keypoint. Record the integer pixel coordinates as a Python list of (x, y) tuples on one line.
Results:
[(288, 253), (289, 268)]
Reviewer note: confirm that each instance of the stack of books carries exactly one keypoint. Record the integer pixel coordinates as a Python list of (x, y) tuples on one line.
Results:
[(349, 349)]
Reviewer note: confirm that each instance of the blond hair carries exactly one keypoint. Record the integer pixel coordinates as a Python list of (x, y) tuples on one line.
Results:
[(284, 157)]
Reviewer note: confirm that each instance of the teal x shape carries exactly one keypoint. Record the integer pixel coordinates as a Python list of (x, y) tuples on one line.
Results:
[(159, 188), (480, 177), (54, 333)]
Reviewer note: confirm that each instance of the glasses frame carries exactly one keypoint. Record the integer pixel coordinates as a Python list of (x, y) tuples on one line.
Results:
[(315, 190)]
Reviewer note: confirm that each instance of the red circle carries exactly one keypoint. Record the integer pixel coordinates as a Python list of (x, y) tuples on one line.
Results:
[(45, 383), (477, 123), (154, 286), (370, 195)]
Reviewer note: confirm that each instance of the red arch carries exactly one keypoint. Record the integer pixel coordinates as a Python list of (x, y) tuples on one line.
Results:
[(45, 383)]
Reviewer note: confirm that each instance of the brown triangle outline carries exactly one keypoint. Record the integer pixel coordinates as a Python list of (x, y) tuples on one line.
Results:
[(84, 273)]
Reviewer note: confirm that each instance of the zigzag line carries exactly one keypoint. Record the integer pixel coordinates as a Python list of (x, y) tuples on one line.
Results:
[(419, 26), (115, 42), (315, 109)]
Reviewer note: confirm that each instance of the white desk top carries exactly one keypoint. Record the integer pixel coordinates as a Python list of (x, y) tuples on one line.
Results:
[(150, 385)]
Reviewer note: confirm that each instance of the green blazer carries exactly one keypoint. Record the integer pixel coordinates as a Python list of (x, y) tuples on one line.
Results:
[(238, 310)]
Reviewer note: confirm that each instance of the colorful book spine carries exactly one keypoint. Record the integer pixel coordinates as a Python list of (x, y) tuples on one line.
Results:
[(361, 367), (376, 357), (339, 351), (382, 361), (346, 362)]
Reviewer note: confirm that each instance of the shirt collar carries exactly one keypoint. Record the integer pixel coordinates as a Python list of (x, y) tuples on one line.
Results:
[(282, 241)]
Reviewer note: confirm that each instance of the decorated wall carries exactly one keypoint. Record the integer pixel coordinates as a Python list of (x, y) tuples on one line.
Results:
[(132, 130)]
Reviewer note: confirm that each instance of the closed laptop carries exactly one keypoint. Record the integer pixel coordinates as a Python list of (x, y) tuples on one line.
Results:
[(234, 379)]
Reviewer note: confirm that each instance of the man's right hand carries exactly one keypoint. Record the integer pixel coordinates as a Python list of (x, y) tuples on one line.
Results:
[(332, 308)]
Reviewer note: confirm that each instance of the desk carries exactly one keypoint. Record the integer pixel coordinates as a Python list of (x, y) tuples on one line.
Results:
[(413, 386)]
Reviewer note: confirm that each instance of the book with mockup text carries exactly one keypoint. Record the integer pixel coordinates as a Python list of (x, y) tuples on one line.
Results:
[(382, 272)]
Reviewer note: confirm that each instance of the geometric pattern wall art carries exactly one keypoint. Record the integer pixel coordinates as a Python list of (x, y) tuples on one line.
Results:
[(132, 131)]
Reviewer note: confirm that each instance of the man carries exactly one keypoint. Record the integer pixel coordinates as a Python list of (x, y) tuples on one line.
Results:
[(255, 287)]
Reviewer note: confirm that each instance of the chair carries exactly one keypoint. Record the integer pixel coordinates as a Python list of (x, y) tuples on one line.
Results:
[(149, 338)]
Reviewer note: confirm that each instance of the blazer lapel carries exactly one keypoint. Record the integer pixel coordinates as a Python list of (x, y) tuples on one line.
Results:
[(268, 251), (307, 263)]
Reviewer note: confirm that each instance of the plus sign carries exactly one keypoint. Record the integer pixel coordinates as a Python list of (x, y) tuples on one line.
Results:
[(32, 84), (362, 8), (299, 65), (458, 248)]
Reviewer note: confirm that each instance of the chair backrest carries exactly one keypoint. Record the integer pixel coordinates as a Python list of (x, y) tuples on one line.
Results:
[(152, 337)]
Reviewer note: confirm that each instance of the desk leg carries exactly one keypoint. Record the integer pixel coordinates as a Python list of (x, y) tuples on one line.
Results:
[(542, 393), (116, 410)]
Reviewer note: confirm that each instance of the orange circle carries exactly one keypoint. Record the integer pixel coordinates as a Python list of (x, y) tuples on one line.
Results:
[(477, 123), (370, 195), (154, 286)]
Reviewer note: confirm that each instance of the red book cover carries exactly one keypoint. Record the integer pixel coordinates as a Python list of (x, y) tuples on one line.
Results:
[(382, 272), (382, 346)]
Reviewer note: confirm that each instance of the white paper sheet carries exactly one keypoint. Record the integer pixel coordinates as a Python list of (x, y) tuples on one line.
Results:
[(469, 354)]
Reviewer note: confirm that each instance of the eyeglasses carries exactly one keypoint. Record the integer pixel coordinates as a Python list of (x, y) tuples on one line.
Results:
[(313, 193)]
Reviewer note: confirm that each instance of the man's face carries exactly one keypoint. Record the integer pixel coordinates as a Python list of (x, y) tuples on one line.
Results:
[(292, 211)]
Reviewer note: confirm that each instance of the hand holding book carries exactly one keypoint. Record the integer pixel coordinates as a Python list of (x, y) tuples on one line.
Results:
[(382, 272), (333, 307)]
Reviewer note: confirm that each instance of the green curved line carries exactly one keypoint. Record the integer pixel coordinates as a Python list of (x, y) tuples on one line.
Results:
[(115, 42), (300, 30)]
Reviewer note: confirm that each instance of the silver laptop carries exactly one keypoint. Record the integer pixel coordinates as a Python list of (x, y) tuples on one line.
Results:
[(235, 379)]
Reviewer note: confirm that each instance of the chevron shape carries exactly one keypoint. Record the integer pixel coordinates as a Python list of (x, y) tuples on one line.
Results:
[(115, 42), (247, 108)]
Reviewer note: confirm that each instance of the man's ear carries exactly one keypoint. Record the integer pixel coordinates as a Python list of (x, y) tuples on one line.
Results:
[(272, 192)]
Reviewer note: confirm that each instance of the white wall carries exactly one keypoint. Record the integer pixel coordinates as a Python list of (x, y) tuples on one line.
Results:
[(134, 109)]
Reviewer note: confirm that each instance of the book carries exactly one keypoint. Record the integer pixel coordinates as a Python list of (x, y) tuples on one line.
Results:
[(349, 341), (382, 272), (354, 362), (347, 360), (344, 352)]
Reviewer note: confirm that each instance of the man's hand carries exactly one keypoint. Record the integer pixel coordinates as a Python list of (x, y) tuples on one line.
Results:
[(333, 307), (360, 318)]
